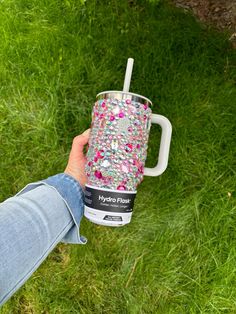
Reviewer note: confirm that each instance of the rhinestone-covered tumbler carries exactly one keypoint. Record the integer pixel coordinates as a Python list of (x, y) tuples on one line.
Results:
[(116, 155)]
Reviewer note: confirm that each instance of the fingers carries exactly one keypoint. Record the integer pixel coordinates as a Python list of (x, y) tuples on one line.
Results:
[(78, 144), (82, 138), (86, 133)]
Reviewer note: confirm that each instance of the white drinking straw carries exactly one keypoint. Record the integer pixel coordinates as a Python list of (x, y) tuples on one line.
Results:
[(128, 74)]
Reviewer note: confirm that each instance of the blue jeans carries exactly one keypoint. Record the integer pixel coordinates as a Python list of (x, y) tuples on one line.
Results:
[(32, 223)]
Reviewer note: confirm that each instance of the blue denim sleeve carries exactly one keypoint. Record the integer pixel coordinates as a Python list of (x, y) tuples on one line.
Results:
[(32, 223), (72, 194)]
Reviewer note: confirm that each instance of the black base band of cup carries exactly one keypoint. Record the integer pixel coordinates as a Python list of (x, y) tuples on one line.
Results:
[(109, 200)]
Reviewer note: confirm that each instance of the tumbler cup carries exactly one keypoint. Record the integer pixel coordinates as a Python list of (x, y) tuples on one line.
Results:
[(116, 155)]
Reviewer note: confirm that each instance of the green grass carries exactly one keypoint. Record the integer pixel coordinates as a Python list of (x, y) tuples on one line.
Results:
[(179, 253)]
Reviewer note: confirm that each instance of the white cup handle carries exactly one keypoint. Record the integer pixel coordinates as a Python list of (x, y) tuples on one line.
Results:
[(164, 146)]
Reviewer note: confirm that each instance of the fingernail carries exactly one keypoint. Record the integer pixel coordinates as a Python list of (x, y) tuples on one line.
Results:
[(86, 133)]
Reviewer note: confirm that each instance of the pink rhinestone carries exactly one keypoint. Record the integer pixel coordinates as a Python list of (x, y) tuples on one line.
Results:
[(106, 180), (121, 115), (121, 188), (138, 146), (90, 163), (95, 159), (145, 106), (101, 116), (135, 162), (103, 105), (112, 118), (140, 169), (130, 129), (145, 117), (128, 148), (100, 154), (128, 101), (98, 174)]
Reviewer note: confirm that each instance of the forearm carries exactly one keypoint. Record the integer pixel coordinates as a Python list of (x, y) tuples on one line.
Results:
[(31, 224)]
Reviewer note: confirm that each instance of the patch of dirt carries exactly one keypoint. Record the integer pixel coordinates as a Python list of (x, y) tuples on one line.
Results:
[(218, 13)]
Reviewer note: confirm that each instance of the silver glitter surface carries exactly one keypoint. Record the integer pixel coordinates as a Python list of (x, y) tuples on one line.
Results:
[(123, 125), (106, 163)]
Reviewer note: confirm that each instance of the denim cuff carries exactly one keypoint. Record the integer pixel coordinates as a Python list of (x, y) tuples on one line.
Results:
[(72, 194)]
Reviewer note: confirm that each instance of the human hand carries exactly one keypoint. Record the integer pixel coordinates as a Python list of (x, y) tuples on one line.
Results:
[(77, 159)]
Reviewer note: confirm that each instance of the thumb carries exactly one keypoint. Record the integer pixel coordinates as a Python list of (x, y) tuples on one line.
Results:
[(78, 145)]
